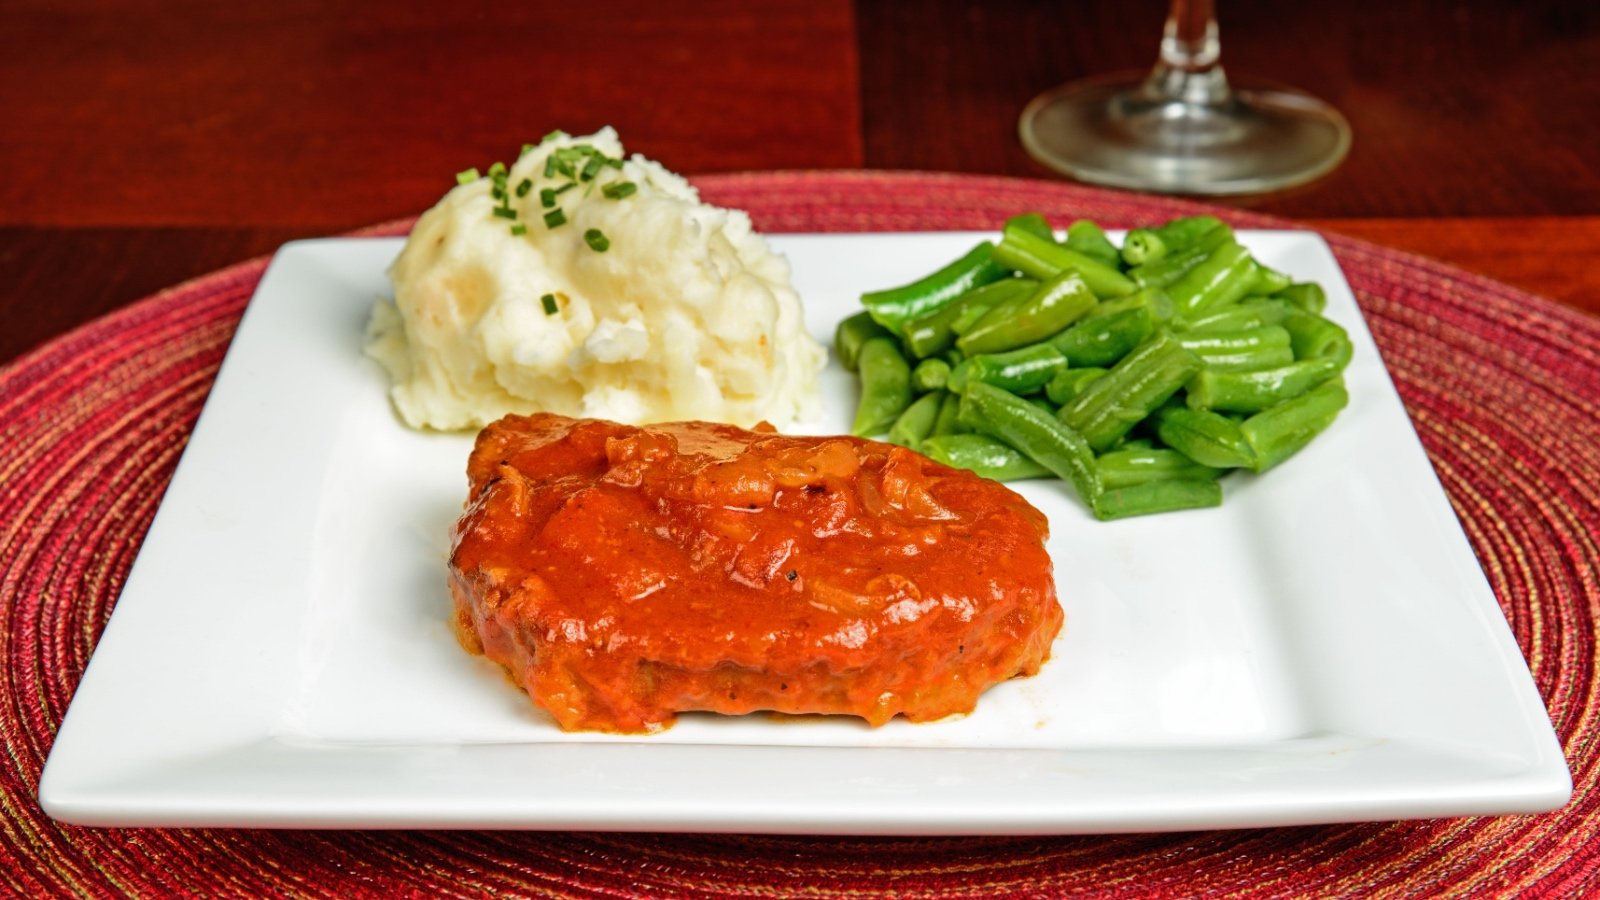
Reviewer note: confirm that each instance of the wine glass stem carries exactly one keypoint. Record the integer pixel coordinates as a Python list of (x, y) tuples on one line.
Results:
[(1189, 69)]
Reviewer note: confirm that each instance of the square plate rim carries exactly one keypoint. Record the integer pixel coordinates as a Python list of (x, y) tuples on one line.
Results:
[(233, 778)]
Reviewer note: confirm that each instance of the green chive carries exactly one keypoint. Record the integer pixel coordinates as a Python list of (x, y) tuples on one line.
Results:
[(505, 212), (592, 167), (548, 301), (549, 165), (497, 192), (596, 240), (523, 187), (519, 229), (554, 218), (526, 149), (558, 133), (616, 190), (467, 176), (613, 162), (498, 170)]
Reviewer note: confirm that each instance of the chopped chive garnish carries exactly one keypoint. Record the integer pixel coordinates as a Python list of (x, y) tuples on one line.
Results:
[(547, 198), (548, 301), (613, 162), (497, 192), (592, 167), (498, 170), (526, 149), (505, 212), (519, 229), (524, 186), (558, 133), (596, 240), (555, 218), (549, 165), (467, 176), (616, 190)]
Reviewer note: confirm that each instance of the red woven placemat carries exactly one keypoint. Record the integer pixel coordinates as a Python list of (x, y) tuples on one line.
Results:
[(1503, 387)]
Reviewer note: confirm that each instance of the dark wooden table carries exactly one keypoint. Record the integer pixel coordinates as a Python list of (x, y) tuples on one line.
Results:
[(142, 144)]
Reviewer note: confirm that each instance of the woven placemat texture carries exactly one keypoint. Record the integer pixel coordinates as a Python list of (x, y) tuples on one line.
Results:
[(1504, 389)]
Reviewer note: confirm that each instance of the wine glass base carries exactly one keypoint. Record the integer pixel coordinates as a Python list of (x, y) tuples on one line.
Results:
[(1113, 131)]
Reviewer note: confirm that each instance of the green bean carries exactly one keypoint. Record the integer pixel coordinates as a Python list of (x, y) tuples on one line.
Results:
[(1033, 223), (1128, 466), (1175, 265), (935, 332), (1313, 337), (1222, 278), (894, 307), (1280, 432), (1238, 317), (1143, 245), (984, 455), (1305, 296), (1186, 232), (949, 421), (1041, 258), (851, 334), (1109, 407), (1262, 347), (1157, 497), (916, 422), (1153, 299), (1020, 371), (885, 386), (1208, 438), (1087, 238), (930, 375), (1069, 383), (1267, 281), (1251, 392), (1042, 437), (1057, 303), (1102, 340)]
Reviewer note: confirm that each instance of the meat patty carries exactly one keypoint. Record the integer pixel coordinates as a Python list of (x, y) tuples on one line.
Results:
[(622, 575)]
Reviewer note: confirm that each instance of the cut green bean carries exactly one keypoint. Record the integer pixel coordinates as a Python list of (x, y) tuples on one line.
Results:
[(1222, 278), (1143, 245), (894, 307), (1208, 438), (1069, 383), (1102, 340), (1280, 432), (1186, 232), (1305, 296), (1089, 239), (1157, 497), (1175, 265), (1041, 258), (1128, 466), (930, 375), (916, 422), (851, 334), (1020, 371), (1042, 437), (935, 332), (1109, 407), (885, 386), (1057, 303), (984, 455), (1238, 317), (1033, 223), (1313, 337), (1153, 299), (1252, 392), (1267, 281), (949, 421), (1262, 347)]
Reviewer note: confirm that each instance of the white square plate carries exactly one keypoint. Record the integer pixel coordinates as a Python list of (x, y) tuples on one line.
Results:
[(1321, 648)]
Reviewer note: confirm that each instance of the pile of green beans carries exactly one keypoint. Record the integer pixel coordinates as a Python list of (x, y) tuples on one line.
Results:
[(1139, 375)]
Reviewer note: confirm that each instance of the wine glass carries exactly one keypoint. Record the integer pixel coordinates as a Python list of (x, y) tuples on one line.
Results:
[(1183, 128)]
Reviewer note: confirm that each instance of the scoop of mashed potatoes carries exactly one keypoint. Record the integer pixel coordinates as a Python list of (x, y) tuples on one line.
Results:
[(685, 314)]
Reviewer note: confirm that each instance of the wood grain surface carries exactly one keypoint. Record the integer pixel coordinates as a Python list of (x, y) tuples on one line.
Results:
[(147, 143)]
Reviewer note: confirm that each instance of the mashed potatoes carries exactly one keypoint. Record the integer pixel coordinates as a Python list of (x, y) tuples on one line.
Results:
[(685, 313)]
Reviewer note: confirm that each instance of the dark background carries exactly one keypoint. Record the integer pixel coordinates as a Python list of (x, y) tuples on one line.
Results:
[(142, 144)]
